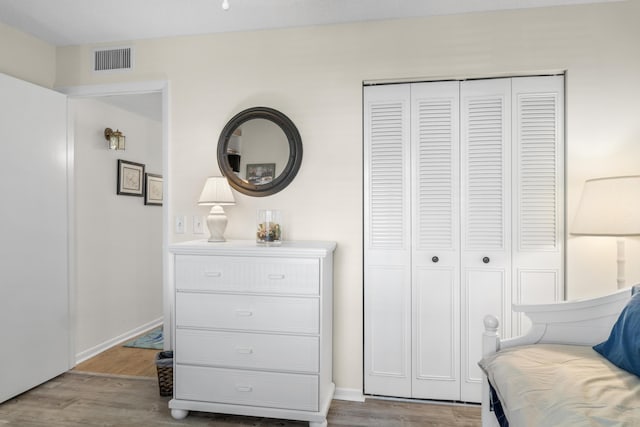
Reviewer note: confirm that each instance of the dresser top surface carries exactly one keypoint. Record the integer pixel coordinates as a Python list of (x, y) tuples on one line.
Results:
[(250, 247)]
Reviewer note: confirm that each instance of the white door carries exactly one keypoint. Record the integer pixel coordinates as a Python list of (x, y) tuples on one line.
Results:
[(538, 189), (463, 216), (387, 241), (486, 219), (34, 291), (436, 240)]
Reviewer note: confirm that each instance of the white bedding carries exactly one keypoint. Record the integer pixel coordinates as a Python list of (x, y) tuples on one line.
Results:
[(548, 385)]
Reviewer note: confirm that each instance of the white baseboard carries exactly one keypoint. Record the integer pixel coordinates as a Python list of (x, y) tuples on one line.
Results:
[(93, 351), (351, 394)]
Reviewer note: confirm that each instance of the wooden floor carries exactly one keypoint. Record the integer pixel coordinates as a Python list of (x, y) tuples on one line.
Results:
[(123, 391), (119, 360)]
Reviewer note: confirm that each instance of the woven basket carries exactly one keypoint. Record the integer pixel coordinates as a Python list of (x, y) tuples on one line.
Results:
[(164, 366)]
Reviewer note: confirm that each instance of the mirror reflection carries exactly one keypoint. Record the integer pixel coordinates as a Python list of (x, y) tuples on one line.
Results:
[(259, 151)]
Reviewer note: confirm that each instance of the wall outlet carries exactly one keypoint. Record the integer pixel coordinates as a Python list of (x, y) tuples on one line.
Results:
[(180, 224), (198, 224)]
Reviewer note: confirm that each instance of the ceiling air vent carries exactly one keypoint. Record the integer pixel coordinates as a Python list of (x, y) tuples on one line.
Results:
[(113, 59)]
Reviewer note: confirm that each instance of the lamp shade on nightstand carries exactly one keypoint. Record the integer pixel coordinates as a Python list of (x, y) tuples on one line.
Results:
[(216, 193), (610, 207)]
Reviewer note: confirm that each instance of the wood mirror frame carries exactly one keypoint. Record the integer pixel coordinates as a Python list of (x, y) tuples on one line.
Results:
[(293, 162)]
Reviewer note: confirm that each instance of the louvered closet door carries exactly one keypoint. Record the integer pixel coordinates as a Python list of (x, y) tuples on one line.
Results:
[(387, 242), (486, 219), (463, 216), (435, 236), (538, 183)]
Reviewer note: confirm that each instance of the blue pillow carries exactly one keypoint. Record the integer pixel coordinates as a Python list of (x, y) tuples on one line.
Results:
[(622, 348)]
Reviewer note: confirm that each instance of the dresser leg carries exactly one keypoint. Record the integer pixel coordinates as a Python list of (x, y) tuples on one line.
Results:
[(179, 414), (318, 424)]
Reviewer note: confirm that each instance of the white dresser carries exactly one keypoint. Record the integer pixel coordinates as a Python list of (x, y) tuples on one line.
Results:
[(253, 329)]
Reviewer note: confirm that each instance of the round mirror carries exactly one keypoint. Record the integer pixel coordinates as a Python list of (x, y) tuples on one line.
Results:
[(259, 151)]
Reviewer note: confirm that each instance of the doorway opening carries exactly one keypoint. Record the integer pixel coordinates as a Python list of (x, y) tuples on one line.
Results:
[(117, 256)]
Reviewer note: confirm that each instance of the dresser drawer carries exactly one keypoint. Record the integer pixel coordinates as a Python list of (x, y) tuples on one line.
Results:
[(264, 389), (248, 350), (244, 274), (248, 312)]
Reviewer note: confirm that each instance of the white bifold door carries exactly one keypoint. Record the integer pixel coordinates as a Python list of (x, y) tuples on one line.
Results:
[(463, 205), (34, 289)]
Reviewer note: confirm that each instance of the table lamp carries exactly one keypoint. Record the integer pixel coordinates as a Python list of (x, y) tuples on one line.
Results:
[(610, 207), (216, 193)]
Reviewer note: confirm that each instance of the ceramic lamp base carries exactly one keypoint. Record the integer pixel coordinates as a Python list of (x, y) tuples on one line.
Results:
[(217, 224)]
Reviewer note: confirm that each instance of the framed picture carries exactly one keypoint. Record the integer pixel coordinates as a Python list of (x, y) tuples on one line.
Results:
[(261, 173), (130, 178), (152, 189)]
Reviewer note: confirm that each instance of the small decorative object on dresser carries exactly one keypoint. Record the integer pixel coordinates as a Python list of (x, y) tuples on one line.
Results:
[(269, 231), (253, 329)]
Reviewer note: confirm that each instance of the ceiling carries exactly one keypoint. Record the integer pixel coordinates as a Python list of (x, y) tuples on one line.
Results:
[(147, 105), (74, 22)]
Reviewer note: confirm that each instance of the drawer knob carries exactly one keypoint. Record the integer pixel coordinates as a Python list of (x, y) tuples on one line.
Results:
[(244, 350), (244, 388), (486, 260), (244, 313), (435, 259)]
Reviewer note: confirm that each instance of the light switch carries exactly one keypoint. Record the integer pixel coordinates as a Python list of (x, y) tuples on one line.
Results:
[(180, 224), (198, 224)]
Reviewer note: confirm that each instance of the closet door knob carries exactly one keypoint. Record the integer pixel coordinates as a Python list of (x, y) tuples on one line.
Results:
[(435, 259), (486, 260)]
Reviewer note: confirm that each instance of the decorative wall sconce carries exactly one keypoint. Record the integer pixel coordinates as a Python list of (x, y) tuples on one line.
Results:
[(116, 139)]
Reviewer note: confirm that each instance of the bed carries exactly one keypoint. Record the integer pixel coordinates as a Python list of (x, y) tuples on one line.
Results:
[(578, 365)]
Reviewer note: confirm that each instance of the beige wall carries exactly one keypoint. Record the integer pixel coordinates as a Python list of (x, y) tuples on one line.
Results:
[(26, 57), (315, 75)]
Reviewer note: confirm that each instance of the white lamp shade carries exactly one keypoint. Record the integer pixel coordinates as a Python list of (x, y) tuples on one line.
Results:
[(216, 191), (609, 207)]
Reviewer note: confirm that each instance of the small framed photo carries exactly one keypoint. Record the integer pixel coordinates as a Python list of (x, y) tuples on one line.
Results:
[(152, 189), (261, 173), (130, 178)]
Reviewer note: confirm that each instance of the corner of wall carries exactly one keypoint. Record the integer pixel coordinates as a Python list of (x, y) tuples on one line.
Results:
[(26, 57)]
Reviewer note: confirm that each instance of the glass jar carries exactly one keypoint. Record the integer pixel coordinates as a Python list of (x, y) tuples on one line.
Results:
[(269, 230)]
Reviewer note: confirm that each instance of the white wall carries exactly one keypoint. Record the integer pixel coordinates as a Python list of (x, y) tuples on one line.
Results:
[(118, 238), (315, 75), (26, 57)]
